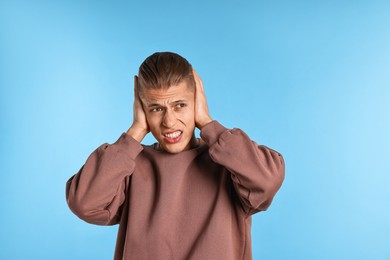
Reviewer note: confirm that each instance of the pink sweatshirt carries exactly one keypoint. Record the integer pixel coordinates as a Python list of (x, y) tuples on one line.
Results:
[(196, 204)]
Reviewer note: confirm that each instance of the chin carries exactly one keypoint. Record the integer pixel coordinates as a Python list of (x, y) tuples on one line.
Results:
[(174, 149)]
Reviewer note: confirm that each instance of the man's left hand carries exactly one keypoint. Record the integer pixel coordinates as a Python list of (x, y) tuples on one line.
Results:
[(202, 116)]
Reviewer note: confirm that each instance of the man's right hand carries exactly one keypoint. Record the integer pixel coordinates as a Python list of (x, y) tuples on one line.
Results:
[(139, 129)]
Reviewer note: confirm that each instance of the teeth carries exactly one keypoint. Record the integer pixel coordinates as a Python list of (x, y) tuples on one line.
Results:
[(173, 135)]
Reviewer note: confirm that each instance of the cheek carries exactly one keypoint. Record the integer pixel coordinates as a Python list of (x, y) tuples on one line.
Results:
[(188, 117)]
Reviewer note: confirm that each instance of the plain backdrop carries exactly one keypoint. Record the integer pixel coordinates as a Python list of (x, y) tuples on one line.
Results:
[(310, 79)]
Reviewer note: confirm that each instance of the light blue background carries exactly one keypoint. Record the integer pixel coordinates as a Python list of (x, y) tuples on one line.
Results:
[(310, 79)]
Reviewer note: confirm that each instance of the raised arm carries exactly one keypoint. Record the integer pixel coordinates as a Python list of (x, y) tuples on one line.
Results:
[(257, 171), (96, 193)]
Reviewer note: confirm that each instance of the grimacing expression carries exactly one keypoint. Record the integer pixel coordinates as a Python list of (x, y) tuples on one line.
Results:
[(170, 114)]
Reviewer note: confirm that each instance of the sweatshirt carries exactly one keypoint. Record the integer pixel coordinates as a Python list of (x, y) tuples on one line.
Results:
[(194, 205)]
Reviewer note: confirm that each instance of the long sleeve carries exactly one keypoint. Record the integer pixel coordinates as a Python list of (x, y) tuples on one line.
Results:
[(96, 193), (257, 171)]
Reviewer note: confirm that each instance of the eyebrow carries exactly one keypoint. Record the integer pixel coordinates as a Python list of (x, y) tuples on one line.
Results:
[(174, 102)]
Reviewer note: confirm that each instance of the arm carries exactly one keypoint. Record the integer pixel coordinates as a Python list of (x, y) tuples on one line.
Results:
[(97, 192), (257, 171)]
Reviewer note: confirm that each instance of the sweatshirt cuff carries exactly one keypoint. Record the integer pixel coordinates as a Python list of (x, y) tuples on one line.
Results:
[(129, 144), (211, 132)]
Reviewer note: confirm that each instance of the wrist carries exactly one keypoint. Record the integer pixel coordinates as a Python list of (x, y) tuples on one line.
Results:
[(138, 133), (204, 122)]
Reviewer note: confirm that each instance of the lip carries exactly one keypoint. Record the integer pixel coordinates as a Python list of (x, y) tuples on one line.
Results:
[(172, 139)]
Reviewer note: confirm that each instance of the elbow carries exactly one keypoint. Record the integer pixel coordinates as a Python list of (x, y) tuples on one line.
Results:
[(78, 208), (86, 213), (82, 207), (262, 198), (276, 177), (269, 185), (272, 170), (91, 209), (279, 173), (276, 173)]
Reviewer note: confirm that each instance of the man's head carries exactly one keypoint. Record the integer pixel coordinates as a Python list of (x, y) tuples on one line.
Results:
[(162, 70), (166, 88)]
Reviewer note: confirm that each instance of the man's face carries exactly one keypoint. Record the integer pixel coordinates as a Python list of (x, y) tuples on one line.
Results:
[(171, 116)]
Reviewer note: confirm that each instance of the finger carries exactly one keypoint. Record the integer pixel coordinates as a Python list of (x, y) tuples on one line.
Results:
[(198, 81), (136, 88), (194, 72)]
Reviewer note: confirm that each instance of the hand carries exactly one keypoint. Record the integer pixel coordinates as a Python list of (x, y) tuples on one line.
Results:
[(202, 116), (139, 128)]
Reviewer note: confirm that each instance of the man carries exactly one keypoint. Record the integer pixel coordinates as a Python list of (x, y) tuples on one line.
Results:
[(183, 197)]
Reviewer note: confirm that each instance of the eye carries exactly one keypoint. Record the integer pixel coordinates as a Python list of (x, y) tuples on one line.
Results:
[(180, 105), (156, 109)]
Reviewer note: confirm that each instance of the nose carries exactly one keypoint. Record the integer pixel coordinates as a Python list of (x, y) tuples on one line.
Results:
[(169, 120)]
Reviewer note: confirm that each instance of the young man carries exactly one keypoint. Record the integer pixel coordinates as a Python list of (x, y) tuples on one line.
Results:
[(183, 197)]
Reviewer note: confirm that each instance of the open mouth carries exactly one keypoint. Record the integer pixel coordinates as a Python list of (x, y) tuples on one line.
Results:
[(173, 137)]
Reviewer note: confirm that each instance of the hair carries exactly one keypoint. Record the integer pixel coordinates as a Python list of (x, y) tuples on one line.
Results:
[(162, 70)]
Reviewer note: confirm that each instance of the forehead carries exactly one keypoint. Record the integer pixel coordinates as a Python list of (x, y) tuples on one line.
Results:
[(178, 92)]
